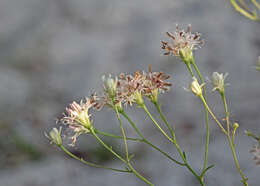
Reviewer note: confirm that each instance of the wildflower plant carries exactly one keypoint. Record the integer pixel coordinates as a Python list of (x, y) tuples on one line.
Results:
[(134, 90)]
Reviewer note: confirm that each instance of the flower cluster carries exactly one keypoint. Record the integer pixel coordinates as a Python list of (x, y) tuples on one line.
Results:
[(181, 42), (129, 89), (256, 153), (118, 91)]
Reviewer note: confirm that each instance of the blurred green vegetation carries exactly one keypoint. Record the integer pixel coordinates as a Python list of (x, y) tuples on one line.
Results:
[(14, 149)]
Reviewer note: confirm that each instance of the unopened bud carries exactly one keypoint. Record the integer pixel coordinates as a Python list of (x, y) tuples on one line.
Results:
[(110, 85), (55, 136), (138, 98), (235, 125), (196, 88)]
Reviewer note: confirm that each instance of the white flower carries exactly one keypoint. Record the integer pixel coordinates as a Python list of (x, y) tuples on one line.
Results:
[(218, 81)]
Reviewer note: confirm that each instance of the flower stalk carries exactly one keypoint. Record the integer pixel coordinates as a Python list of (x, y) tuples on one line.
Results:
[(174, 141), (127, 162)]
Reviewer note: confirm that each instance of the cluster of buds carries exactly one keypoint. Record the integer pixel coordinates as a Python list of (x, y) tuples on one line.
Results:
[(182, 43), (128, 89)]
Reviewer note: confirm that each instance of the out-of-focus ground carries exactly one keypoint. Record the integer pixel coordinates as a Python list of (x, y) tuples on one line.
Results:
[(55, 51)]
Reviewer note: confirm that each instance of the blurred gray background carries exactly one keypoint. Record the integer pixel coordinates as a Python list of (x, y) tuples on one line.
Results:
[(55, 51)]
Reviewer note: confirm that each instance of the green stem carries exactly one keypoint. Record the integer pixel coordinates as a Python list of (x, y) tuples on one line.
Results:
[(123, 133), (122, 159), (206, 118), (139, 175), (231, 144), (213, 116), (147, 142), (189, 68), (115, 136), (256, 4), (187, 165), (158, 107), (175, 143), (226, 110), (156, 124), (107, 147), (89, 163), (253, 16), (244, 179), (133, 125)]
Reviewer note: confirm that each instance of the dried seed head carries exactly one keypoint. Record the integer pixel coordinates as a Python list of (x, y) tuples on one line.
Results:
[(129, 89), (256, 154), (182, 42), (155, 83), (133, 88)]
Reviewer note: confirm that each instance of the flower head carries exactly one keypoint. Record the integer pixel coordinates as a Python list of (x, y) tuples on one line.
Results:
[(55, 136), (218, 81), (78, 118), (131, 87), (155, 83), (109, 97), (196, 88), (256, 153), (182, 42)]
